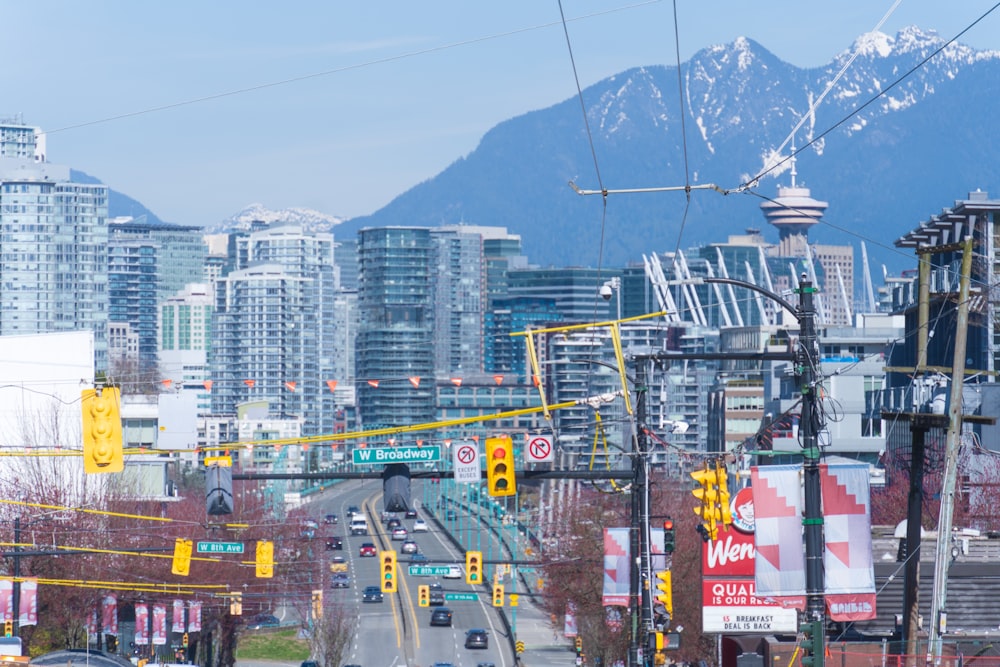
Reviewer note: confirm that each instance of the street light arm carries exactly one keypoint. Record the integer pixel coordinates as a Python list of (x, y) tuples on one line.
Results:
[(756, 288)]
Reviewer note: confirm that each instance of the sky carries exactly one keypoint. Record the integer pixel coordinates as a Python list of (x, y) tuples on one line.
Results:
[(198, 109)]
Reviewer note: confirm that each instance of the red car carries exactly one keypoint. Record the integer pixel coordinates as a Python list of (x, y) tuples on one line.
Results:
[(368, 549)]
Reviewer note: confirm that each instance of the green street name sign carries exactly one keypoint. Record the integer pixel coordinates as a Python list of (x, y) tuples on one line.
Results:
[(468, 597), (383, 455), (220, 547), (428, 571)]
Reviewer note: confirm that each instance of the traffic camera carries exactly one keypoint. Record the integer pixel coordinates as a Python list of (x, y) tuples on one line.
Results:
[(182, 557), (424, 595), (102, 430), (500, 477), (473, 567), (388, 561), (497, 595)]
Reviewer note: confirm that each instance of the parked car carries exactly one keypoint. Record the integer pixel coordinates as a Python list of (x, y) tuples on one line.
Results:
[(409, 547), (263, 621), (367, 550), (340, 580), (372, 594), (420, 526), (330, 519), (441, 616), (411, 513), (334, 543), (399, 533), (476, 638)]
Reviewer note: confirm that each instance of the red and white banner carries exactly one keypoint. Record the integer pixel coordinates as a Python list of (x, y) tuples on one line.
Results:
[(178, 624), (92, 625), (109, 615), (569, 626), (28, 603), (780, 564), (847, 559), (617, 567), (194, 616), (141, 624), (159, 625), (7, 599)]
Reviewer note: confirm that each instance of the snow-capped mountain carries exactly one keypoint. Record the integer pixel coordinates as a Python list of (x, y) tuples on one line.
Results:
[(311, 220), (889, 132)]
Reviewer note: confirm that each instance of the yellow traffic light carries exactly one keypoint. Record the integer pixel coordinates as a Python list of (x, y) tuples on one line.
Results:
[(722, 478), (102, 430), (500, 477), (236, 604), (473, 567), (708, 510), (317, 603), (665, 591), (265, 559), (424, 595), (497, 595), (182, 557), (578, 644), (8, 628), (388, 561)]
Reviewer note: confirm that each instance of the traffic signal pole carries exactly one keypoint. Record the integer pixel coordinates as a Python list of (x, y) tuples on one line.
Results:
[(639, 576)]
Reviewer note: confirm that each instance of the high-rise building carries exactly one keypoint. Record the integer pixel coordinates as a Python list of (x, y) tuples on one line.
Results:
[(459, 300), (273, 332), (185, 325), (54, 255), (18, 140)]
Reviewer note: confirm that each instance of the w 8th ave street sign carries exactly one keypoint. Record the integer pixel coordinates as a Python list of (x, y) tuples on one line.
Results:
[(220, 547), (383, 455)]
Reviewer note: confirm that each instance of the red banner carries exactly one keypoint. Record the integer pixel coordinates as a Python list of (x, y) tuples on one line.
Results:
[(28, 613), (7, 599), (194, 616), (109, 615), (159, 625), (141, 624), (178, 624)]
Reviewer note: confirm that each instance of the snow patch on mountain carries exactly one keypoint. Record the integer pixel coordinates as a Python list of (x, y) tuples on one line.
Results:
[(311, 220)]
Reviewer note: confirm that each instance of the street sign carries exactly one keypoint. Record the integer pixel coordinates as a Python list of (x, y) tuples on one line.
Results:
[(465, 460), (428, 570), (467, 597), (220, 547), (538, 449), (383, 455)]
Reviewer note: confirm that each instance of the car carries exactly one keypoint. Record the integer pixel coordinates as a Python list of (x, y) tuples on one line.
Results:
[(309, 663), (338, 564), (399, 533), (393, 523), (418, 558), (437, 595), (411, 513), (351, 511), (450, 515), (485, 664), (443, 664), (367, 550), (330, 519), (441, 616), (310, 523), (334, 543), (340, 580), (263, 621), (372, 594), (454, 572), (476, 638), (420, 526), (409, 547), (386, 516), (308, 533)]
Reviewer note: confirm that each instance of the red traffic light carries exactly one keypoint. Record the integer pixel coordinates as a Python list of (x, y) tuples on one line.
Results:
[(668, 524)]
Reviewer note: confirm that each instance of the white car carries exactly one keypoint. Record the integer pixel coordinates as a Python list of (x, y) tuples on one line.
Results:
[(420, 526), (454, 572)]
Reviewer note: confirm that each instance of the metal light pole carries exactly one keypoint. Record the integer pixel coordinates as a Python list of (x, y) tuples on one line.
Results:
[(639, 606)]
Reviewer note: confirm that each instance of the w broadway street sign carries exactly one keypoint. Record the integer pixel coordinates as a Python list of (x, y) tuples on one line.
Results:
[(382, 455)]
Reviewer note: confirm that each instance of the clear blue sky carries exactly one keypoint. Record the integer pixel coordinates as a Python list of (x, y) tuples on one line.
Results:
[(402, 90)]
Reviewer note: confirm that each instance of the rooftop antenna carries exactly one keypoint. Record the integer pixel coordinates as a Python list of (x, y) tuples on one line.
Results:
[(794, 173)]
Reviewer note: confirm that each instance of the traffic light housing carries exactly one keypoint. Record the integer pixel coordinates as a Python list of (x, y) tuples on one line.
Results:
[(424, 595), (665, 591), (578, 644), (473, 567), (265, 559), (182, 557), (669, 541), (8, 628), (500, 478), (811, 645), (317, 603), (708, 510), (722, 479), (388, 569), (497, 595), (236, 604), (102, 430)]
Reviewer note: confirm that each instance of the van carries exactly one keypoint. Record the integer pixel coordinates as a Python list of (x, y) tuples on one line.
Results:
[(359, 525)]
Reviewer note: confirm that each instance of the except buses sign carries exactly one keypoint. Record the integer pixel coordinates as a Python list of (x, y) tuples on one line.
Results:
[(383, 455)]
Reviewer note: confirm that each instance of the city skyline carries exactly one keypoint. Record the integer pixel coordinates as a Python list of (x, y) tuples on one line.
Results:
[(325, 94)]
